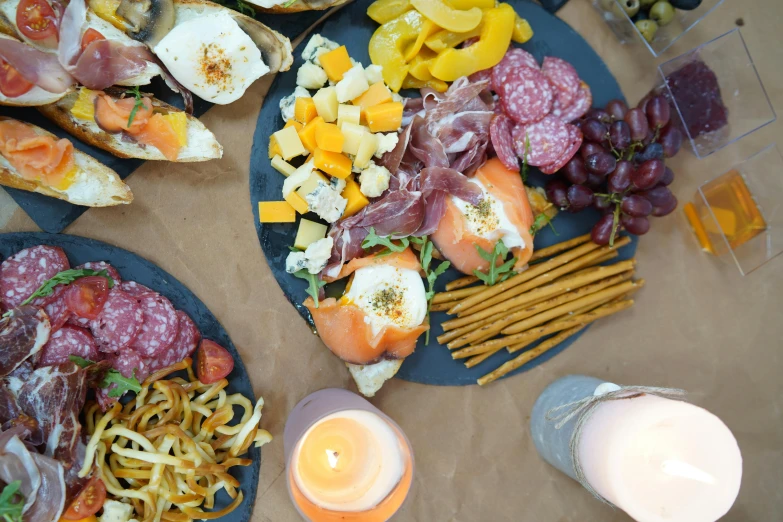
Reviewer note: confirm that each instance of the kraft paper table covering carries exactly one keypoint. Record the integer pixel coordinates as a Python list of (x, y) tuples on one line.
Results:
[(697, 324)]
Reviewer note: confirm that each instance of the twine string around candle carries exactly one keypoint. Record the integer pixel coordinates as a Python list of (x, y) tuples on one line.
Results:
[(583, 409)]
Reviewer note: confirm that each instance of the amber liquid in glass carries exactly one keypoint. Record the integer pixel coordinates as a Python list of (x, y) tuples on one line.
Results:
[(733, 207)]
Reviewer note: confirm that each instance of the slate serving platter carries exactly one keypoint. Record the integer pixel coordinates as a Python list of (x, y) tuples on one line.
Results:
[(133, 267), (431, 364), (53, 215)]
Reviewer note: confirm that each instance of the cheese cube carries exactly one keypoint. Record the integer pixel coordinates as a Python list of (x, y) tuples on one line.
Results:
[(353, 135), (373, 73), (333, 163), (328, 137), (310, 76), (311, 183), (356, 200), (276, 212), (385, 117), (298, 202), (290, 144), (304, 110), (309, 232), (336, 63), (307, 134), (326, 104), (273, 149), (375, 95), (348, 113), (282, 166), (367, 147), (295, 124), (353, 84)]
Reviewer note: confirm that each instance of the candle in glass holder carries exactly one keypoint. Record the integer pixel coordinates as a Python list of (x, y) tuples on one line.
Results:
[(345, 459), (657, 459)]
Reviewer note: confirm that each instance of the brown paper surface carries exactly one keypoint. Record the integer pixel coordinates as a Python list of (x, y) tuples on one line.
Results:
[(697, 324)]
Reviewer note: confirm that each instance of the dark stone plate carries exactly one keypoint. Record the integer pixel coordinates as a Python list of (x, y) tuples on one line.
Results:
[(430, 364), (135, 268)]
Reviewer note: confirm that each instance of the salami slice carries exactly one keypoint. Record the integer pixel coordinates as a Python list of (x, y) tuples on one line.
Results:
[(68, 341), (119, 322), (136, 289), (579, 107), (159, 328), (563, 77), (502, 141), (513, 59), (526, 95), (485, 74), (102, 265), (56, 309), (183, 346), (575, 141), (22, 273), (128, 361), (547, 140)]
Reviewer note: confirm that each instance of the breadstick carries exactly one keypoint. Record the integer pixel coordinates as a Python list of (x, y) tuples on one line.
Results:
[(456, 295), (559, 247), (461, 282)]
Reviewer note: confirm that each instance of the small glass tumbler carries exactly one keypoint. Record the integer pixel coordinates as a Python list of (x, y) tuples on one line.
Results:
[(316, 410), (717, 93), (740, 212), (615, 13)]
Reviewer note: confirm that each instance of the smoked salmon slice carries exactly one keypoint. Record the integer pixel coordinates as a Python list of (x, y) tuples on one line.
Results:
[(159, 133), (405, 259), (35, 157), (458, 244)]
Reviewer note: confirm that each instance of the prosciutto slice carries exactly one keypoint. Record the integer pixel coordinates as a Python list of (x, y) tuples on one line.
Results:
[(37, 67), (22, 335)]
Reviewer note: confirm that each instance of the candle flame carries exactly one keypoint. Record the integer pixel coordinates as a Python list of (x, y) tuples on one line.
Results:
[(332, 457), (683, 469)]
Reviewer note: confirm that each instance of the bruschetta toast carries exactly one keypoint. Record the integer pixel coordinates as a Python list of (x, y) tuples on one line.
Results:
[(28, 76), (295, 6)]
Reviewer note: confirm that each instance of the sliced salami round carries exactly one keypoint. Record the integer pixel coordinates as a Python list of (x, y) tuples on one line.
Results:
[(563, 77), (128, 361), (102, 265), (479, 76), (136, 289), (56, 308), (81, 322), (512, 60), (575, 141), (159, 328), (119, 322), (581, 104), (67, 341), (545, 141), (22, 273), (526, 95), (183, 346), (502, 141)]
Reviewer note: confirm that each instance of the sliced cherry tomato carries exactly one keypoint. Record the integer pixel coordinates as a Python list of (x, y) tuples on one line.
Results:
[(90, 36), (36, 20), (89, 501), (11, 82), (86, 296), (213, 362)]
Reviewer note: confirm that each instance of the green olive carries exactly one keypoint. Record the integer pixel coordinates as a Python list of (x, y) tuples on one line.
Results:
[(631, 7), (646, 4), (662, 12), (647, 28)]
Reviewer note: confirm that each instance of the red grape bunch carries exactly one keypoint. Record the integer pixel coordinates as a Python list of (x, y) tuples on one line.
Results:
[(620, 168)]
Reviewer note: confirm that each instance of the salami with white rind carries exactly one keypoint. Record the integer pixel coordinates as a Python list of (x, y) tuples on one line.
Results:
[(159, 328), (136, 289), (56, 309), (513, 59), (575, 141), (548, 139), (25, 271), (67, 341), (102, 265), (563, 77), (503, 142), (129, 363), (183, 346), (526, 95), (579, 107), (119, 322)]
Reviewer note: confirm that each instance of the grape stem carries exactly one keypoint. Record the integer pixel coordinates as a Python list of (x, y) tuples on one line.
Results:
[(615, 223)]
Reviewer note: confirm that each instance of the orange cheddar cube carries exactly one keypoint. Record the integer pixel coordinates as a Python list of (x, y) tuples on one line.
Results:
[(377, 94), (386, 117), (274, 148), (297, 202), (295, 124), (336, 63), (304, 110), (356, 200), (333, 163), (328, 137), (307, 134), (276, 212)]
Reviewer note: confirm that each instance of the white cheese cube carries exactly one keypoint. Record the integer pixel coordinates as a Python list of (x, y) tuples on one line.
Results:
[(367, 147), (311, 76), (311, 183), (299, 176), (353, 84), (386, 143), (353, 136), (373, 73), (374, 180), (308, 233), (348, 113), (282, 166), (289, 143), (326, 104), (288, 103)]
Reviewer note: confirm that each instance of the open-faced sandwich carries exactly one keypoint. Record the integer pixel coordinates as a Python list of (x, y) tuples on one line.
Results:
[(130, 124), (28, 76), (35, 160), (294, 6)]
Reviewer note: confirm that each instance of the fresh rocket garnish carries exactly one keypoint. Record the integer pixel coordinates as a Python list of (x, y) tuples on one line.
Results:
[(65, 277), (314, 283), (540, 222), (523, 170), (111, 376), (246, 9), (11, 502), (372, 240), (137, 105), (425, 259), (495, 273)]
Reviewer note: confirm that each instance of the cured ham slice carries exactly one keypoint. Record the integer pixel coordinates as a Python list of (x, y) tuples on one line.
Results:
[(23, 334), (37, 67)]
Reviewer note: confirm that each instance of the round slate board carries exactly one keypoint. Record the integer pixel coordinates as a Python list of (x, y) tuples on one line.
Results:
[(351, 26), (134, 268)]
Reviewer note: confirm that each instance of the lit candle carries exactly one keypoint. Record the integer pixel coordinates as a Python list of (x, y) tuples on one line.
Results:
[(345, 459), (657, 459)]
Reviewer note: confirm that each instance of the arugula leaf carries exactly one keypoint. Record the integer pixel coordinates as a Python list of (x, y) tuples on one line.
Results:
[(540, 222), (246, 9), (289, 3), (425, 259), (137, 105), (523, 171), (495, 273), (65, 277), (315, 284), (11, 511), (373, 240), (111, 376)]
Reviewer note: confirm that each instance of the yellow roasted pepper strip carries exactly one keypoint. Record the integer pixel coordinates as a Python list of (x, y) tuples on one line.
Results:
[(414, 83), (420, 65), (522, 30), (447, 17), (387, 44), (428, 29), (467, 4), (443, 40), (383, 11), (487, 52)]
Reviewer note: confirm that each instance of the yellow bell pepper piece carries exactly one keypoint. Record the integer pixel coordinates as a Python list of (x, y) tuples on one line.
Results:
[(333, 163), (276, 212), (304, 110), (522, 30), (428, 29), (307, 134), (356, 200), (446, 17), (387, 44), (386, 117), (414, 83), (487, 52), (336, 63), (443, 40), (420, 65), (467, 4), (328, 137), (384, 11)]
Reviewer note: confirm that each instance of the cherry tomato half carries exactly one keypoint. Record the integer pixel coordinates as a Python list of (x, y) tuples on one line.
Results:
[(11, 82), (213, 362), (89, 501), (86, 296), (36, 20), (90, 36)]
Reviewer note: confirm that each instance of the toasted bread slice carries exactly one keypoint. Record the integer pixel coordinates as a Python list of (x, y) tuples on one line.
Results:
[(93, 185), (201, 143), (298, 6), (370, 377), (35, 96)]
